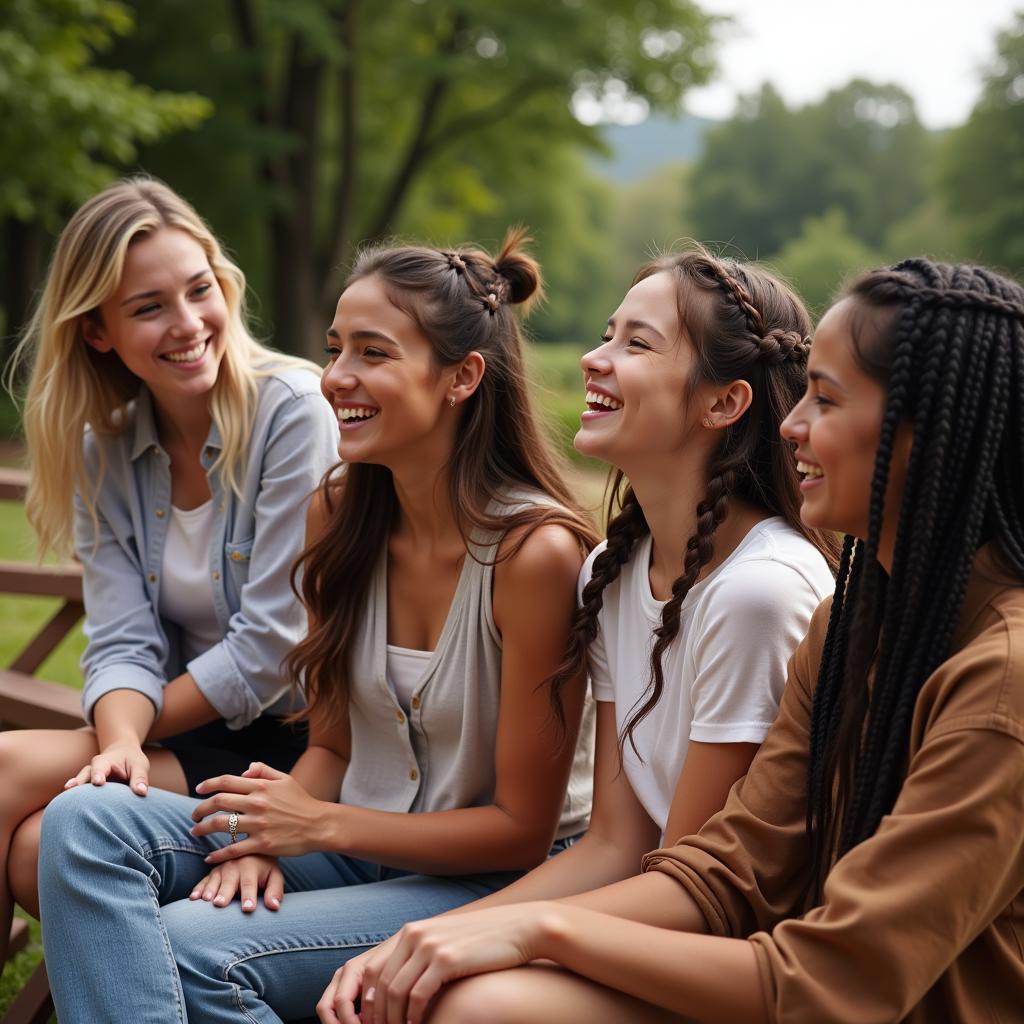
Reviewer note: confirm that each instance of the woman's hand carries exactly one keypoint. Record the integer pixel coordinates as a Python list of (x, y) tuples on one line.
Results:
[(399, 979), (338, 1003), (277, 816), (123, 760), (246, 876)]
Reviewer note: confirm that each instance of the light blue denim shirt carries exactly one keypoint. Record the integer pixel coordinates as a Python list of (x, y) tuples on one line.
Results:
[(256, 538)]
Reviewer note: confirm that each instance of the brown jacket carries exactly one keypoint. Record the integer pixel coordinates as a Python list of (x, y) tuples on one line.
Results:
[(924, 921)]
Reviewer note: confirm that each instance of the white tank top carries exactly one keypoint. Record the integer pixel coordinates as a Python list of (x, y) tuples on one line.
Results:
[(186, 594), (404, 670), (438, 754)]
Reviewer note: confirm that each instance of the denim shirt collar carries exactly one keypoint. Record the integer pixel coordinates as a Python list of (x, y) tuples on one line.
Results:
[(144, 435)]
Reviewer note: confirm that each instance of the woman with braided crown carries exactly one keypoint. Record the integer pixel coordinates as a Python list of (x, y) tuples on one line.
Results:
[(439, 578), (869, 868), (706, 584)]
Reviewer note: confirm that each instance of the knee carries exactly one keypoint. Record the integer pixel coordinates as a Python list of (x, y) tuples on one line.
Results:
[(23, 862), (77, 811), (481, 999), (15, 769), (195, 930)]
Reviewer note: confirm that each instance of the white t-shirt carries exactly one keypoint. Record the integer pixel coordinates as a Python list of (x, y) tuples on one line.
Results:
[(186, 595), (725, 671)]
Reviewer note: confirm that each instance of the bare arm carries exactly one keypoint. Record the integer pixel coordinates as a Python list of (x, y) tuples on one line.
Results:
[(709, 772), (533, 606), (121, 718), (185, 707), (712, 979), (620, 833)]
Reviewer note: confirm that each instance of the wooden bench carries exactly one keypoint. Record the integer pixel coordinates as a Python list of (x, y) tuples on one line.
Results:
[(30, 703)]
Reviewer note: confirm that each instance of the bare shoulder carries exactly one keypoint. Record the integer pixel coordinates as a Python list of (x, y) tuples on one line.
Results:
[(546, 554)]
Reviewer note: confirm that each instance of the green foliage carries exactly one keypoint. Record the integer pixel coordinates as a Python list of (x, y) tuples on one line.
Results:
[(819, 259), (66, 125), (860, 150), (929, 230), (983, 179), (650, 218), (337, 122)]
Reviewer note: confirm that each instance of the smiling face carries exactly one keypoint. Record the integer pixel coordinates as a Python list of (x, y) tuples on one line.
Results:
[(638, 379), (166, 320), (835, 431), (383, 381)]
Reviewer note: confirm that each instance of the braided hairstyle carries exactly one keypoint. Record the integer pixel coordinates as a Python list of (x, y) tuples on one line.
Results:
[(947, 343), (744, 324)]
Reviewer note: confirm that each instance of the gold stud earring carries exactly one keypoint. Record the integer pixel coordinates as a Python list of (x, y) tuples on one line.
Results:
[(707, 422), (451, 401)]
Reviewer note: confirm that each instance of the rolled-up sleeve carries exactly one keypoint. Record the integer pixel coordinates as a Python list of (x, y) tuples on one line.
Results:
[(241, 675), (746, 868), (899, 908), (126, 645)]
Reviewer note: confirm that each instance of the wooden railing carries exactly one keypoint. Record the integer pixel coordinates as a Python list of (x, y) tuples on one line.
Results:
[(27, 702)]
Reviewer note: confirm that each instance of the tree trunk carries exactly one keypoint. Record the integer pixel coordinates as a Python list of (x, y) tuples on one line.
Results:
[(297, 316), (333, 269), (23, 259), (298, 322)]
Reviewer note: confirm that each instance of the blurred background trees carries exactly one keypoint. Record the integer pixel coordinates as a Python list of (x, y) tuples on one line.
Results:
[(303, 128)]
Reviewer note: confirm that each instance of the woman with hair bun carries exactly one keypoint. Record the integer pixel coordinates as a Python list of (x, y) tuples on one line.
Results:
[(691, 609), (869, 868), (175, 455), (439, 580)]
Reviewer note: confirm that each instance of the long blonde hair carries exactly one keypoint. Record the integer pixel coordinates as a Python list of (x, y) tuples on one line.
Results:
[(72, 386)]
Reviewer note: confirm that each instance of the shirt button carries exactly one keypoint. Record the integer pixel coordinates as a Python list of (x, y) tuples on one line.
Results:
[(216, 575), (236, 556), (415, 703), (160, 513), (414, 775), (400, 717), (151, 577)]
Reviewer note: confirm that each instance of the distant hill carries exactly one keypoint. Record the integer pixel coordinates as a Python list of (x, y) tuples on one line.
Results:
[(638, 150)]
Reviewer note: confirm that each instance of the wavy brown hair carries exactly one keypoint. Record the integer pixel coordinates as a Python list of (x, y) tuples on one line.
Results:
[(744, 324), (461, 301)]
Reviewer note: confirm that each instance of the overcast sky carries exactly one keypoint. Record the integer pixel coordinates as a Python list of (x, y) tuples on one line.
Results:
[(933, 48)]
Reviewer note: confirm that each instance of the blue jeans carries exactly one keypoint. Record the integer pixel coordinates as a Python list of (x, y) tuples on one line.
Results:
[(124, 943)]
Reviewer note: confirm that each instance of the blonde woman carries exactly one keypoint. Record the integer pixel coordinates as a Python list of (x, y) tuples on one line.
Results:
[(174, 455)]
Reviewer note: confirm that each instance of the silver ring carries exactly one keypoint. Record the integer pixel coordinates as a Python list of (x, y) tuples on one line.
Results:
[(233, 825)]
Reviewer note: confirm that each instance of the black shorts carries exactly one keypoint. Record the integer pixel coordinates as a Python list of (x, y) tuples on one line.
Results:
[(214, 749)]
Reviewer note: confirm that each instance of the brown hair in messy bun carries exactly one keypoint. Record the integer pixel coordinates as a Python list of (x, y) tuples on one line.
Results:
[(461, 300)]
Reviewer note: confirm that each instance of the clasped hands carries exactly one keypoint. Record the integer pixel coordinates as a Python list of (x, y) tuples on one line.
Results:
[(278, 819), (397, 981)]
